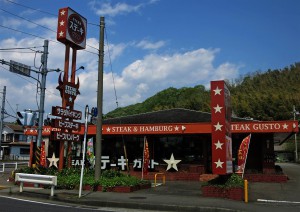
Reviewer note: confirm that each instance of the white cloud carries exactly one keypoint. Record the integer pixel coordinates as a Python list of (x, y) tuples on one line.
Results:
[(145, 44), (143, 78), (112, 10)]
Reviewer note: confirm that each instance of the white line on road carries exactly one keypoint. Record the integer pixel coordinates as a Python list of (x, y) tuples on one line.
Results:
[(277, 201), (45, 203)]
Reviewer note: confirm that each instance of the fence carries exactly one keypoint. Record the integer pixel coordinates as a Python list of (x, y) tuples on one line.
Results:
[(12, 165)]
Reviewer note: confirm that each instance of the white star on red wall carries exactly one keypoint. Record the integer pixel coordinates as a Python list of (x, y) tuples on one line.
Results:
[(219, 164), (219, 145), (218, 126), (217, 91), (218, 109)]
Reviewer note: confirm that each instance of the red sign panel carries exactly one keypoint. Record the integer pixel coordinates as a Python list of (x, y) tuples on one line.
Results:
[(64, 124), (66, 113), (63, 136), (71, 28), (221, 128)]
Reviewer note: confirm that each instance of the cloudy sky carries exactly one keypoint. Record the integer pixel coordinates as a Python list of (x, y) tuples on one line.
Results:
[(150, 45)]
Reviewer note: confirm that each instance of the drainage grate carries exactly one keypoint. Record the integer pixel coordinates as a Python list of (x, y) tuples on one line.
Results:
[(137, 197)]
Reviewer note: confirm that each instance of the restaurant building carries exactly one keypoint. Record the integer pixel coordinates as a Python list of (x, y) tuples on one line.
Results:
[(185, 135)]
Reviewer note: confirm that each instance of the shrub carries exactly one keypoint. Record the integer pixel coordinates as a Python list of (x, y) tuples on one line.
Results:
[(69, 178), (226, 181)]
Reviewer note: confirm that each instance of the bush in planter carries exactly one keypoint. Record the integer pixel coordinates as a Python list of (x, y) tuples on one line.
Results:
[(69, 178), (226, 186)]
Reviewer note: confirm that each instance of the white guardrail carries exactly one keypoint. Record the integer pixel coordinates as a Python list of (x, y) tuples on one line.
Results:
[(12, 165)]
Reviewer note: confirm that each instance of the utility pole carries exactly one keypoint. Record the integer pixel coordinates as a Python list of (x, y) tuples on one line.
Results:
[(99, 102), (43, 88), (2, 118), (296, 145)]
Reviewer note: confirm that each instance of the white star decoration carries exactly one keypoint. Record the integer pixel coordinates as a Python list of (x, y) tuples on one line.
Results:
[(217, 91), (62, 23), (285, 126), (218, 126), (172, 163), (62, 12), (61, 34), (219, 164), (176, 128), (218, 109), (219, 145), (53, 161)]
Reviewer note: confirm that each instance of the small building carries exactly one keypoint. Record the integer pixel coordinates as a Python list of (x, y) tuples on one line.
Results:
[(15, 144)]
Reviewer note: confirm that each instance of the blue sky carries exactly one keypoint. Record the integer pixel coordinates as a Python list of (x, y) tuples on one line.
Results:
[(150, 45)]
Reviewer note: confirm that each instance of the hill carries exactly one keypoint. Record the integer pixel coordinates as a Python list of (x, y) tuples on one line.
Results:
[(265, 96)]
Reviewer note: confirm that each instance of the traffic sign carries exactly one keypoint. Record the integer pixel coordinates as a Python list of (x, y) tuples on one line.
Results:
[(19, 68)]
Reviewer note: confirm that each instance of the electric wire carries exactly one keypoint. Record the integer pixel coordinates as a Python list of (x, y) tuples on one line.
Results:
[(28, 20), (22, 5), (47, 91), (115, 90), (110, 63), (20, 17), (50, 40)]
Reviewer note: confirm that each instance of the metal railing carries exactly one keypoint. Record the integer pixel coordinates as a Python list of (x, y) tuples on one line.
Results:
[(12, 165)]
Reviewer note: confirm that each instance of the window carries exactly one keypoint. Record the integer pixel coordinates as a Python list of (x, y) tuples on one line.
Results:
[(24, 151)]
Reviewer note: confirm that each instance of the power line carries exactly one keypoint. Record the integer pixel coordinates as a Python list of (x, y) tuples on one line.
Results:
[(28, 20), (40, 24), (113, 78), (32, 82), (38, 10), (30, 48)]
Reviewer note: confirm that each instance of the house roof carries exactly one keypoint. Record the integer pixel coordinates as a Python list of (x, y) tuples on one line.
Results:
[(15, 127), (177, 115)]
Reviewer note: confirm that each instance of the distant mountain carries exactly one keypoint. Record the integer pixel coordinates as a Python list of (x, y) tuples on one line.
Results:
[(263, 96)]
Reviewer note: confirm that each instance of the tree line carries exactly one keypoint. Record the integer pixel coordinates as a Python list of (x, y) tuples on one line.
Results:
[(264, 96)]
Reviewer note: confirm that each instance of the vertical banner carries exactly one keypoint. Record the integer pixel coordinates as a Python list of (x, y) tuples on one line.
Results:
[(90, 152), (242, 154), (221, 128), (145, 158), (43, 155)]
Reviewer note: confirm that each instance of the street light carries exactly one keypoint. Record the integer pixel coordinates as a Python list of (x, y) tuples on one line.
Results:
[(296, 146)]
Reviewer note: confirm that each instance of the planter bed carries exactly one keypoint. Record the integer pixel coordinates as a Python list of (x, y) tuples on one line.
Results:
[(229, 193), (120, 189)]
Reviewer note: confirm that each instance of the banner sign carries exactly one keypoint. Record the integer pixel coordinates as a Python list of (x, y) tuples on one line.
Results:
[(242, 154)]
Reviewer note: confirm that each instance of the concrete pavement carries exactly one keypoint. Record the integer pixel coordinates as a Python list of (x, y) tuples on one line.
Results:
[(177, 196)]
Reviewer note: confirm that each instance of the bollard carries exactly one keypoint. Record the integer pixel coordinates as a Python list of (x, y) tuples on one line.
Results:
[(246, 190)]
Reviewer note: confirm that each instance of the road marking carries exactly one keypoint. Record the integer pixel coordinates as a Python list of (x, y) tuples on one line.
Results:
[(45, 203), (277, 201)]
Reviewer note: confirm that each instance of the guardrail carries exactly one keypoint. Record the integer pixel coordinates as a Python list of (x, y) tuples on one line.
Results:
[(12, 165)]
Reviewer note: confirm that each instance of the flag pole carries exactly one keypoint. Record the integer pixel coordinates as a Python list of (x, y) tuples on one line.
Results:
[(246, 157), (143, 158)]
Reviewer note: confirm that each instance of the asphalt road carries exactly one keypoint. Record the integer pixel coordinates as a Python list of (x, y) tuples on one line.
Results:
[(9, 204)]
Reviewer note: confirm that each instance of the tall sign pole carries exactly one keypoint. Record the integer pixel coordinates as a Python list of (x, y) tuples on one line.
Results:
[(99, 102), (71, 30)]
